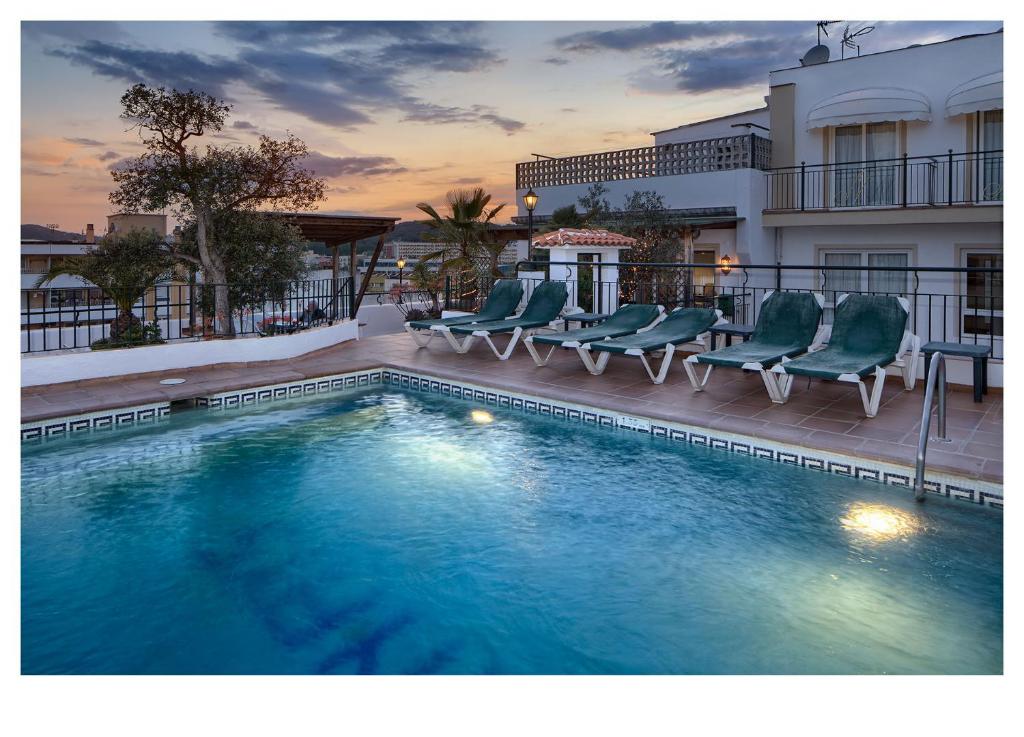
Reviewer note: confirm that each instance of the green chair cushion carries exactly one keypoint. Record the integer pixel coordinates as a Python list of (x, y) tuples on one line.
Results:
[(505, 296), (545, 304), (682, 326), (786, 326), (625, 321), (867, 333)]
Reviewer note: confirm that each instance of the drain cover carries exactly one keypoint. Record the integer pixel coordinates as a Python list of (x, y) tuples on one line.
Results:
[(171, 382)]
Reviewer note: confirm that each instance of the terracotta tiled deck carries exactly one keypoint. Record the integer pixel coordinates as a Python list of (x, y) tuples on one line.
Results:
[(830, 417)]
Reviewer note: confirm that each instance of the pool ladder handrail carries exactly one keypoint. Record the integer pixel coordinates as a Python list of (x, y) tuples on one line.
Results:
[(936, 376)]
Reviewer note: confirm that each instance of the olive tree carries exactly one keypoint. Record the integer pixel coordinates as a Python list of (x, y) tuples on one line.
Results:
[(206, 185)]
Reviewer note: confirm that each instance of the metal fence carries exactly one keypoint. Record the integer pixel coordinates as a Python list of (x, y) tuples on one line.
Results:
[(76, 318), (748, 151), (910, 181), (961, 305)]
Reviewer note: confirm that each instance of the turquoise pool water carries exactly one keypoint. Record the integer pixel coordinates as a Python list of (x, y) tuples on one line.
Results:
[(393, 532)]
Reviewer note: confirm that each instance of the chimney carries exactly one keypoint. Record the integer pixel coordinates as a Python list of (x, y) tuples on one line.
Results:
[(90, 233)]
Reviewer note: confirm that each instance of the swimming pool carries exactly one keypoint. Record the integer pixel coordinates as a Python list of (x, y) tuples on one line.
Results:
[(383, 531)]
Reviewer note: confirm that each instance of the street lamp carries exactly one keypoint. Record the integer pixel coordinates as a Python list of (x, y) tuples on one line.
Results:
[(401, 265), (530, 200)]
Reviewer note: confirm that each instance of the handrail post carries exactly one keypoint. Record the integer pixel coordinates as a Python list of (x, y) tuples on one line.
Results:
[(803, 184), (936, 374), (904, 179), (949, 178)]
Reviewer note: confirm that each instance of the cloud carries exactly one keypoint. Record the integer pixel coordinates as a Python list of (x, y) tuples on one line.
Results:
[(725, 55), (244, 125), (557, 61), (178, 69), (108, 156), (363, 73), (84, 141), (307, 34), (333, 167)]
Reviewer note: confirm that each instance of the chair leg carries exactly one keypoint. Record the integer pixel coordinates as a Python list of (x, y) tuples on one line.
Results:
[(535, 354), (596, 368), (910, 364), (871, 403), (454, 342), (774, 384), (691, 372), (503, 355), (666, 362), (418, 336)]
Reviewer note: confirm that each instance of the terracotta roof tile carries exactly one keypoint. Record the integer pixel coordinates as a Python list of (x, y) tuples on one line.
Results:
[(580, 237)]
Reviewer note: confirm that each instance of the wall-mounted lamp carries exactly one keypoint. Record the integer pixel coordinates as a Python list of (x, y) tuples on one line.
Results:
[(726, 264)]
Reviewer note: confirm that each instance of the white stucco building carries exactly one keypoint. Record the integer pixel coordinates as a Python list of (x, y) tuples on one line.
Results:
[(892, 159)]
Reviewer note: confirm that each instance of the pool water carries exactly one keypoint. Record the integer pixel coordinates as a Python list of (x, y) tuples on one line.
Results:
[(383, 531)]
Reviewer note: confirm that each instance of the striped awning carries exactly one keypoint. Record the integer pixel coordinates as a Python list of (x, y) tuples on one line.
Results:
[(869, 105), (975, 95)]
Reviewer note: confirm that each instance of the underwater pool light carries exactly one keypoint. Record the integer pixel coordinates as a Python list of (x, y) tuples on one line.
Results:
[(482, 416), (879, 521)]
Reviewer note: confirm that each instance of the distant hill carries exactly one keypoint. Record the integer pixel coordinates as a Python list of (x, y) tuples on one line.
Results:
[(42, 233), (404, 231)]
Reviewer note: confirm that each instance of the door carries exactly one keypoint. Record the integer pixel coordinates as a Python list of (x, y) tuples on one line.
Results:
[(865, 165)]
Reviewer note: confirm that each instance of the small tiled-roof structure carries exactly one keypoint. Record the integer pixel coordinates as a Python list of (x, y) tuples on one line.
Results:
[(564, 237)]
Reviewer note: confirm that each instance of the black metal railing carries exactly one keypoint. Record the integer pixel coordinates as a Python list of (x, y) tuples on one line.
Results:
[(749, 151), (948, 304), (909, 181), (81, 317)]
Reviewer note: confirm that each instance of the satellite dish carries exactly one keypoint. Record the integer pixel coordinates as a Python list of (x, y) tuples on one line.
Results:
[(817, 55)]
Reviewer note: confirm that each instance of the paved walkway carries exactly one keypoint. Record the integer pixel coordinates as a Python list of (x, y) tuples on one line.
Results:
[(829, 416)]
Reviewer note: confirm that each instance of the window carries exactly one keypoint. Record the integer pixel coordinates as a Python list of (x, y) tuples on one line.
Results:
[(838, 281), (865, 165), (982, 303), (991, 146), (704, 278)]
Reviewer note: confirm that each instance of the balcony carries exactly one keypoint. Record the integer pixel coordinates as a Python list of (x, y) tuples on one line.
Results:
[(690, 157), (943, 180)]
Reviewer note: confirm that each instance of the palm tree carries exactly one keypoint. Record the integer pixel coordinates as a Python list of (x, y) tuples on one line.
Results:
[(463, 231), (123, 267)]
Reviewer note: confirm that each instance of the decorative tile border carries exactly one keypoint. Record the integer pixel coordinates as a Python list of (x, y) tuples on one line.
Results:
[(981, 493), (978, 492), (291, 389), (103, 420)]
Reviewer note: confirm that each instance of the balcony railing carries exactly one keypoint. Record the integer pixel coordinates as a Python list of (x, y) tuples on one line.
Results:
[(692, 157), (948, 304), (75, 318), (943, 180)]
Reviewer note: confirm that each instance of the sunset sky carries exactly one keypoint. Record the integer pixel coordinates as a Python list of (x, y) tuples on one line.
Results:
[(398, 112)]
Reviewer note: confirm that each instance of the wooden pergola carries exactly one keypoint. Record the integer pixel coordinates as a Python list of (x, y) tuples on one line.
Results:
[(335, 230)]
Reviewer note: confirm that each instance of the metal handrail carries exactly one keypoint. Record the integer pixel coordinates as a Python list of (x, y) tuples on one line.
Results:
[(936, 374)]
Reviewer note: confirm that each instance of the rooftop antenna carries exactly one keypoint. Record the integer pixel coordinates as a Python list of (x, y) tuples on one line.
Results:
[(848, 41), (823, 26), (820, 53)]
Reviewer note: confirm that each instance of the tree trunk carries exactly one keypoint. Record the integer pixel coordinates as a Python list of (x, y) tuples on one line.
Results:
[(214, 273)]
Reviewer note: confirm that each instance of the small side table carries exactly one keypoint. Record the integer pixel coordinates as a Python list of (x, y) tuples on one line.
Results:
[(977, 353), (585, 318), (728, 330)]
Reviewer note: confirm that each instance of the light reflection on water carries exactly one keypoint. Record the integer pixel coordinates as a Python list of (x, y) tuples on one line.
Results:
[(388, 532)]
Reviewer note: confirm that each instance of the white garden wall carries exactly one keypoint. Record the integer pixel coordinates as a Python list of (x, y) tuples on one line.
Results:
[(37, 369)]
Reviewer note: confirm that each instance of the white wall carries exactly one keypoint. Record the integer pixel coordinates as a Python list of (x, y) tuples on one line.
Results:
[(37, 369), (716, 128), (933, 71)]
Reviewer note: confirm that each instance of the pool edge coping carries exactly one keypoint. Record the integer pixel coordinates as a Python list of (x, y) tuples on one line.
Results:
[(978, 492)]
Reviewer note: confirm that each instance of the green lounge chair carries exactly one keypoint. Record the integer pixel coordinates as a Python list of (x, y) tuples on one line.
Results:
[(628, 320), (544, 307), (683, 325), (786, 327), (869, 333), (505, 296)]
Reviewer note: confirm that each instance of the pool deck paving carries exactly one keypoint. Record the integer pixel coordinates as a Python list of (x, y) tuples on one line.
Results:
[(822, 415)]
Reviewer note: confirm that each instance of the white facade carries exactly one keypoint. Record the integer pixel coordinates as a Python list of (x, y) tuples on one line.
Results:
[(888, 159), (748, 121)]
